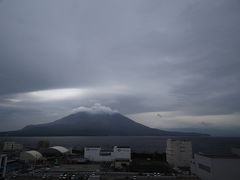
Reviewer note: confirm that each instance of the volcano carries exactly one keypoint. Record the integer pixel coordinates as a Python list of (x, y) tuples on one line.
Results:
[(93, 124)]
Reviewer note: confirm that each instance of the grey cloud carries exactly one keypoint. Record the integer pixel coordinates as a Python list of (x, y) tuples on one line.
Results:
[(171, 55)]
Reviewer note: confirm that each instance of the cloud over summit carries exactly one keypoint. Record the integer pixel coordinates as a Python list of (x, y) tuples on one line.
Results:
[(95, 109)]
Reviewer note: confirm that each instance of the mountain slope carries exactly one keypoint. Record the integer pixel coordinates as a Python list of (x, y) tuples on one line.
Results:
[(93, 124)]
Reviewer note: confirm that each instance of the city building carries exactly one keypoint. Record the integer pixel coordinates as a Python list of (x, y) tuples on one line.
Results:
[(30, 156), (12, 146), (100, 155), (179, 152), (216, 167)]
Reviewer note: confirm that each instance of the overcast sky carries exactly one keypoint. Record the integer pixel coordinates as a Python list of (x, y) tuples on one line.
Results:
[(167, 64)]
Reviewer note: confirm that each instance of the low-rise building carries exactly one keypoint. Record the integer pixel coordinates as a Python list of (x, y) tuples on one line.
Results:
[(216, 167), (98, 154), (179, 152), (12, 146)]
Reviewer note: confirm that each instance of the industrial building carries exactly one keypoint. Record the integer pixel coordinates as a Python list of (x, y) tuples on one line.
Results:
[(179, 152), (216, 167), (30, 156), (100, 155)]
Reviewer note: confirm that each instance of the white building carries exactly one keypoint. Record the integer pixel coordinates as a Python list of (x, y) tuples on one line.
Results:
[(214, 167), (179, 152), (99, 155), (30, 156), (12, 146)]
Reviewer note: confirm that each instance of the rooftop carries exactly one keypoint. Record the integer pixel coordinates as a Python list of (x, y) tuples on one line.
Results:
[(186, 140), (122, 146), (60, 149)]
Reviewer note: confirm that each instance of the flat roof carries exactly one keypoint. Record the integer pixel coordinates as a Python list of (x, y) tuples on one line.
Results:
[(183, 139), (123, 147)]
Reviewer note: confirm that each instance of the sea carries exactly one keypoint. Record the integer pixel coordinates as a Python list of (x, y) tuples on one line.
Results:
[(139, 144)]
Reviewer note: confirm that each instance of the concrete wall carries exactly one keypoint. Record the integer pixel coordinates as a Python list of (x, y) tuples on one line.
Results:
[(203, 174)]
